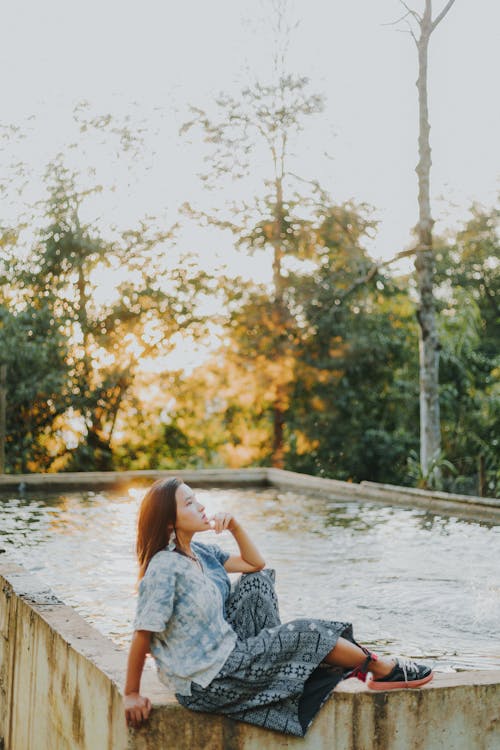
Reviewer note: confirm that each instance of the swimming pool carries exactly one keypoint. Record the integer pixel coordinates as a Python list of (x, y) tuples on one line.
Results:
[(414, 583)]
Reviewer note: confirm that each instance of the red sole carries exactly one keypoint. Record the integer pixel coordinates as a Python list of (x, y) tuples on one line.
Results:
[(398, 685)]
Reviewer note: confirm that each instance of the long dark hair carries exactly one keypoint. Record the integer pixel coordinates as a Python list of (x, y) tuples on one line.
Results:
[(156, 520)]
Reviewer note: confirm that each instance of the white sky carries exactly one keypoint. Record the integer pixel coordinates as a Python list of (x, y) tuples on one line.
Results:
[(153, 58)]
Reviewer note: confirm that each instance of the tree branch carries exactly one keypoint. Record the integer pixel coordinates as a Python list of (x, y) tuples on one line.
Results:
[(393, 23), (413, 12), (374, 268), (398, 256), (440, 17)]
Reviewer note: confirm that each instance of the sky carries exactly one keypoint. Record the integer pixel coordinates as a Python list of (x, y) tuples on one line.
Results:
[(150, 60)]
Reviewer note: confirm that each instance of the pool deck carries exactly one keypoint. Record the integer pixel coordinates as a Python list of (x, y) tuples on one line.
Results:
[(61, 680)]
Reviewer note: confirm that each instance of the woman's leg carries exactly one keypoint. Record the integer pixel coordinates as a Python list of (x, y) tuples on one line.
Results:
[(349, 655), (253, 604)]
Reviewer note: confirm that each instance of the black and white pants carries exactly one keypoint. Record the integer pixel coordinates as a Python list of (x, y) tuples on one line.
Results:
[(275, 676)]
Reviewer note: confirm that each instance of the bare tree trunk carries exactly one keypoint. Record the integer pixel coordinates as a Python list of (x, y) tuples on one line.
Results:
[(277, 248), (278, 453), (121, 390), (83, 305), (430, 428), (278, 457)]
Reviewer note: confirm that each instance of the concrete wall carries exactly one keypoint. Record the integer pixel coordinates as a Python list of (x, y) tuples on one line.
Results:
[(59, 677), (61, 680), (93, 480), (60, 689), (470, 506)]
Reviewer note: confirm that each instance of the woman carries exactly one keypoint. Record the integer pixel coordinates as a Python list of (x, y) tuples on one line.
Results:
[(226, 651)]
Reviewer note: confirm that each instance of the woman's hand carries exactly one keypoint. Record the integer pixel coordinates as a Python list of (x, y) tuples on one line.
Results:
[(137, 709), (222, 521), (249, 560)]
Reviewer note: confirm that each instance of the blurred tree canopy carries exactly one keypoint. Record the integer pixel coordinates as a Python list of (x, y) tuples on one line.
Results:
[(36, 355), (57, 335), (351, 408), (339, 353), (468, 272), (267, 118)]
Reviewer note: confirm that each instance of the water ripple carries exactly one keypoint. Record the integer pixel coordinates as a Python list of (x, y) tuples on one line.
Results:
[(414, 583)]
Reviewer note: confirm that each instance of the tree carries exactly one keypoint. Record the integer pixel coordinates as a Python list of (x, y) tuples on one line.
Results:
[(353, 398), (35, 353), (468, 281), (105, 340), (239, 384), (266, 116), (430, 427)]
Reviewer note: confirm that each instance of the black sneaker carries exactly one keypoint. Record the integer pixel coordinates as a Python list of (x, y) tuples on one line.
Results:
[(404, 674)]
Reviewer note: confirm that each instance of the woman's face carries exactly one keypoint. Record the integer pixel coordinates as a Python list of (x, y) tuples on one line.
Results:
[(190, 513)]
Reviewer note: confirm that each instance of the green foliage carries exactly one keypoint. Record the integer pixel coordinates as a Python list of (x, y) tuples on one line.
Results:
[(427, 480), (468, 273), (328, 355), (104, 341), (355, 409), (164, 447), (35, 353), (156, 437)]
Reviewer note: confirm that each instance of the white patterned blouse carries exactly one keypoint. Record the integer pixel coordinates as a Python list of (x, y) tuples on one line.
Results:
[(184, 610)]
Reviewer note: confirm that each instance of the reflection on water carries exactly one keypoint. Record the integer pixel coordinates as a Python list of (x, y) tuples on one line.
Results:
[(412, 583)]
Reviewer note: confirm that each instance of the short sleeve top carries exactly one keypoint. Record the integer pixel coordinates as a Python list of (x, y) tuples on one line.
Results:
[(183, 608), (213, 558)]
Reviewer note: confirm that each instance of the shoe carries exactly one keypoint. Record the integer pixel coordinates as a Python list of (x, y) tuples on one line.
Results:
[(404, 674)]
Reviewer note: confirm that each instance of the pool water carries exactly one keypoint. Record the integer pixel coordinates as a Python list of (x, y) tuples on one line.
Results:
[(412, 583)]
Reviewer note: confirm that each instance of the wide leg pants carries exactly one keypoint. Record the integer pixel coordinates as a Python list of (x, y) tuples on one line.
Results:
[(275, 676)]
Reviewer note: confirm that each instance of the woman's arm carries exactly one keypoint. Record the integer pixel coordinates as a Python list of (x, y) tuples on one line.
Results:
[(137, 707), (249, 560)]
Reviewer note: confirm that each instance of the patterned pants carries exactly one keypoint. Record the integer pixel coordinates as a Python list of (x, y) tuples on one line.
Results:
[(275, 676)]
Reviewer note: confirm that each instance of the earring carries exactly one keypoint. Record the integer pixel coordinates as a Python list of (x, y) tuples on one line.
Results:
[(172, 540)]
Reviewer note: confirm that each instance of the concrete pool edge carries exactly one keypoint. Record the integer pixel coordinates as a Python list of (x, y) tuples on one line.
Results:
[(119, 479), (61, 686), (468, 506)]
